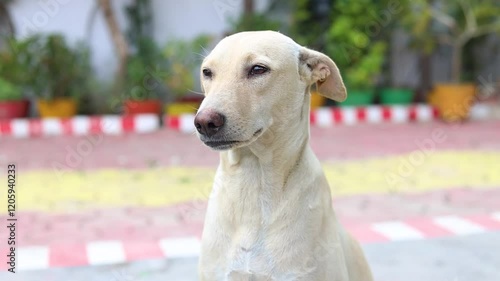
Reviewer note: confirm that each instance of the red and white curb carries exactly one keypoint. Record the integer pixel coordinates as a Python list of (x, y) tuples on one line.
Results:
[(115, 251), (146, 123), (375, 114), (80, 126), (332, 116), (327, 117)]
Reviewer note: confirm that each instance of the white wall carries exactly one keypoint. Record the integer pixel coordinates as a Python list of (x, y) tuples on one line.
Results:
[(186, 19), (173, 19)]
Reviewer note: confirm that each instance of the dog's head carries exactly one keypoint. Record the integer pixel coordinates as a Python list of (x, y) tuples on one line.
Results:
[(255, 80)]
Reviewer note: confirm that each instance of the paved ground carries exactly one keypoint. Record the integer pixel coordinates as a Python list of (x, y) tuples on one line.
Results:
[(154, 223), (157, 185), (454, 259), (169, 148), (391, 158)]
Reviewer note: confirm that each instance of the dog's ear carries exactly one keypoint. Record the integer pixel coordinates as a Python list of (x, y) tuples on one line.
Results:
[(316, 67)]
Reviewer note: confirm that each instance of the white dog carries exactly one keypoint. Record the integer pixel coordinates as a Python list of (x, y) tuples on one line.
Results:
[(270, 214)]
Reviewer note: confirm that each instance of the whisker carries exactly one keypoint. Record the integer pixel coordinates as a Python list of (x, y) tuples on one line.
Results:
[(193, 107), (196, 92), (205, 50), (200, 55)]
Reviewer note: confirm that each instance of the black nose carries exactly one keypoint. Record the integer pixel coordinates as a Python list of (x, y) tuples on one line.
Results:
[(208, 122)]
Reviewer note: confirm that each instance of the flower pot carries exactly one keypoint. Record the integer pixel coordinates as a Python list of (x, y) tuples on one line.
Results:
[(133, 107), (14, 109), (396, 96), (358, 98), (58, 107), (179, 108), (453, 101), (317, 100)]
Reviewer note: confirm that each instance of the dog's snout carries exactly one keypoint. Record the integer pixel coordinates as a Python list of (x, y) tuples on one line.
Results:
[(208, 122)]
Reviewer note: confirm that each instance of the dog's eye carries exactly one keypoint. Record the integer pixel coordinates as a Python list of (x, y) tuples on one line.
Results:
[(207, 73), (257, 70)]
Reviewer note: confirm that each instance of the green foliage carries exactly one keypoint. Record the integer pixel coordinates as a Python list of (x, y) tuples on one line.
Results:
[(255, 22), (454, 23), (307, 29), (352, 40), (46, 66), (146, 64), (8, 91), (182, 60), (140, 21), (17, 63), (367, 67), (349, 32), (151, 70), (417, 20), (62, 71), (144, 69), (433, 22)]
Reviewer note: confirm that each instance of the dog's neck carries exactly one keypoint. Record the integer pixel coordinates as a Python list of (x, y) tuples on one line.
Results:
[(253, 181), (277, 152)]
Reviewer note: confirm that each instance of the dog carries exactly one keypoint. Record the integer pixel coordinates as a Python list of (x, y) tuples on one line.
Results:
[(269, 215)]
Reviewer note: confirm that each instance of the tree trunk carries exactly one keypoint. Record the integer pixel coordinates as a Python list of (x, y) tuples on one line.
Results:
[(456, 62), (425, 68), (6, 20), (248, 7), (118, 39)]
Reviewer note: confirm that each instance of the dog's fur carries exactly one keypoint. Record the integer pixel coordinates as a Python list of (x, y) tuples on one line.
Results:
[(270, 213)]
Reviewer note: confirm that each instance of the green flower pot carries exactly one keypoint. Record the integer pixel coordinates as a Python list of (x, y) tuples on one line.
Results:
[(358, 97), (396, 96)]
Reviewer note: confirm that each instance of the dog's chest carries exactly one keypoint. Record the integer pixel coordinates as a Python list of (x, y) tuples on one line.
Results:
[(250, 260), (249, 229)]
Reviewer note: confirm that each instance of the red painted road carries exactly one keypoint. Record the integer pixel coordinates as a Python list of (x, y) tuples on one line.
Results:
[(169, 148), (166, 148), (151, 224)]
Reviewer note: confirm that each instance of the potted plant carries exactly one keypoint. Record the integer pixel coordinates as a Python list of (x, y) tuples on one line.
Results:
[(182, 60), (143, 84), (61, 75), (144, 65), (358, 53), (339, 29), (15, 66), (454, 24), (387, 26), (362, 74), (12, 103), (310, 19), (396, 95)]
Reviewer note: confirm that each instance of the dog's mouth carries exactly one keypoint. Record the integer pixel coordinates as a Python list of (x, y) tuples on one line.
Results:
[(222, 145), (230, 144)]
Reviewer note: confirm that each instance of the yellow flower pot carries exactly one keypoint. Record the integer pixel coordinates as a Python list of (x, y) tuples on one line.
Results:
[(317, 100), (59, 107), (179, 108), (453, 101)]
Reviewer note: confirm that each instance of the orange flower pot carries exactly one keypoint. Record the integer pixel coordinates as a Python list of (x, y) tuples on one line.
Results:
[(59, 108), (453, 100), (133, 107), (317, 100)]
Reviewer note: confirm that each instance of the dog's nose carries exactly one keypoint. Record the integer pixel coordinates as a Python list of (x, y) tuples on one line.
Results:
[(208, 122)]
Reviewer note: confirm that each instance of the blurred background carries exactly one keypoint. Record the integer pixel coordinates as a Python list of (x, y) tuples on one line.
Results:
[(97, 101)]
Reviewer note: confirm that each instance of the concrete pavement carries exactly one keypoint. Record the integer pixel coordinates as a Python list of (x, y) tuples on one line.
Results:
[(453, 259)]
